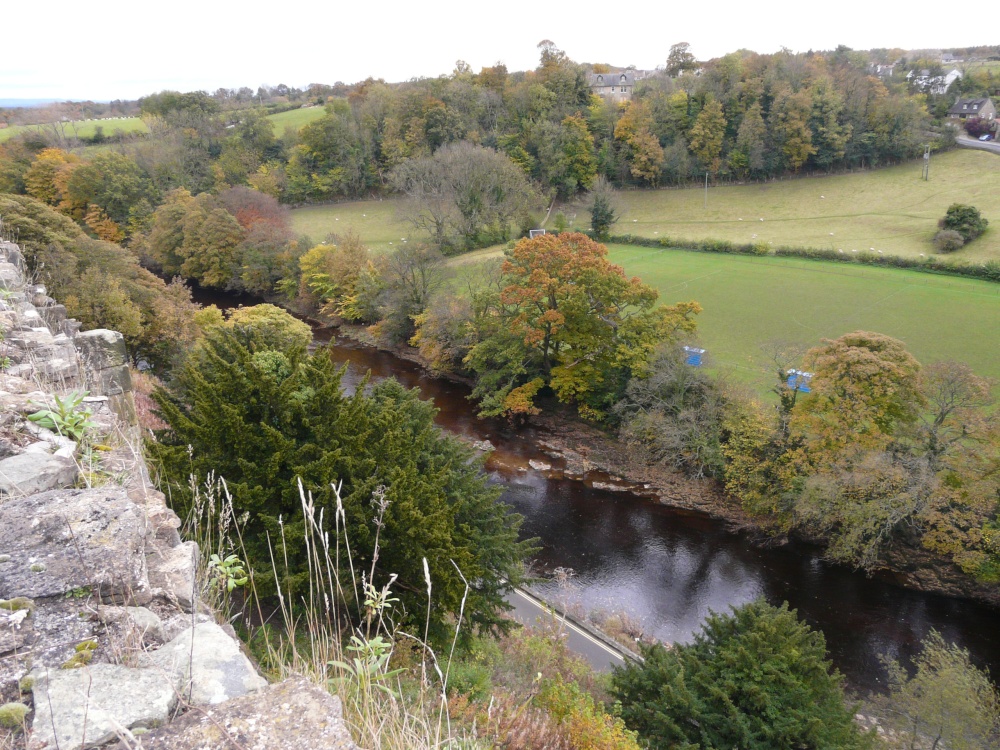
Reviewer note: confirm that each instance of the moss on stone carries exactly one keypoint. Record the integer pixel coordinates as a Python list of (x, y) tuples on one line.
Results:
[(17, 603), (12, 715), (83, 656)]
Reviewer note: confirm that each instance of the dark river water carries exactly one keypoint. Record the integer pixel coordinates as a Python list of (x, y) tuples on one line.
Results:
[(667, 568)]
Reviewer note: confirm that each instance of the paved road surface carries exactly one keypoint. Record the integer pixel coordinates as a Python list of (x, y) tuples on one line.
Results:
[(529, 610), (967, 142)]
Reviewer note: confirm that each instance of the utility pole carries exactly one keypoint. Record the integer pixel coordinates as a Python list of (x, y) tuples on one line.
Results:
[(927, 162)]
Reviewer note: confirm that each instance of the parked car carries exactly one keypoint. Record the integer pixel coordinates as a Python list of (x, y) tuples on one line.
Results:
[(986, 137)]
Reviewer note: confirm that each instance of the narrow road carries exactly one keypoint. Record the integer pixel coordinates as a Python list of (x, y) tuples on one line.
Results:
[(966, 141), (531, 611)]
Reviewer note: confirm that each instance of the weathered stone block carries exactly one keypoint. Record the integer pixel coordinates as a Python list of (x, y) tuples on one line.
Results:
[(54, 315), (172, 572), (101, 348), (68, 540), (212, 670), (291, 715), (80, 708), (112, 381), (29, 473)]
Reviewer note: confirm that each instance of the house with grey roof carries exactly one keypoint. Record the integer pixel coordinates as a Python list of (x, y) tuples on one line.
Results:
[(616, 86), (982, 108)]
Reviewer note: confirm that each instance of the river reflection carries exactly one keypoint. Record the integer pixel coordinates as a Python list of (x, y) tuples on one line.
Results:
[(667, 568)]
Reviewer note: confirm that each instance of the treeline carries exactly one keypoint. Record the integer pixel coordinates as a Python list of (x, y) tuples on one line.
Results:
[(743, 116)]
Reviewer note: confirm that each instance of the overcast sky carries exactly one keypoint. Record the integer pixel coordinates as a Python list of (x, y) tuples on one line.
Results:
[(114, 49)]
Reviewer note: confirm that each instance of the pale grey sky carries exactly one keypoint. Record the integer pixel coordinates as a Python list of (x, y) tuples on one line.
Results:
[(116, 49)]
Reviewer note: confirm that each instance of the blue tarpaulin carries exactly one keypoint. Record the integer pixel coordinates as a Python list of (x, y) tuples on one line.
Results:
[(693, 357), (799, 380)]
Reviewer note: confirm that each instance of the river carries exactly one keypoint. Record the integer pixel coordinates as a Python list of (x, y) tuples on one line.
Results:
[(667, 568)]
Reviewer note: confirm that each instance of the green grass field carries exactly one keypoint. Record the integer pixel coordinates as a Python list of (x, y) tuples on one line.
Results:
[(749, 302), (295, 118), (83, 128), (374, 221), (891, 209)]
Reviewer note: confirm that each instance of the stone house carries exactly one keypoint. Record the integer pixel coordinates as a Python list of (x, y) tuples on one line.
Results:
[(982, 108), (616, 86)]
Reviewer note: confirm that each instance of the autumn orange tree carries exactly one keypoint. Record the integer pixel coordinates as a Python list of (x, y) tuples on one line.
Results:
[(569, 320)]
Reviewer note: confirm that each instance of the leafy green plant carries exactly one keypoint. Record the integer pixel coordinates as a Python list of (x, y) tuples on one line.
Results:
[(368, 668), (68, 418), (227, 573)]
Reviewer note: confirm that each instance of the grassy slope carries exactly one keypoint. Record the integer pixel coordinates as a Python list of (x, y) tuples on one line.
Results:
[(375, 221), (890, 209), (295, 118), (84, 128), (751, 301)]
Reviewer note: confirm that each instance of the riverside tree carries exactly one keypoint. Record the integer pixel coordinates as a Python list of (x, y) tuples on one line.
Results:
[(264, 419), (569, 320), (945, 701)]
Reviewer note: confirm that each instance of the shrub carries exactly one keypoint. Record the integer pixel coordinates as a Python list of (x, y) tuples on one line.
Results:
[(966, 220), (977, 127), (755, 679), (948, 241)]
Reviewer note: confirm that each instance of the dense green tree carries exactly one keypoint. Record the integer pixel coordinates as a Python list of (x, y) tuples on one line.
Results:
[(265, 419), (578, 164), (755, 679), (113, 182), (680, 60), (751, 142), (829, 136), (603, 209)]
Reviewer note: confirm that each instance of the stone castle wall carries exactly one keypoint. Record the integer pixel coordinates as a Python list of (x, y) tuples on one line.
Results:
[(103, 638)]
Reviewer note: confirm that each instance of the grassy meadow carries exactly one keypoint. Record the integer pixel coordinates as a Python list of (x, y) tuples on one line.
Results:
[(83, 128), (295, 118), (750, 302), (375, 221), (890, 209)]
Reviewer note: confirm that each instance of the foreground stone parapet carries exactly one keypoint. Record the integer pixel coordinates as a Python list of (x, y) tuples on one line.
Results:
[(291, 715), (79, 708), (63, 541), (212, 670)]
